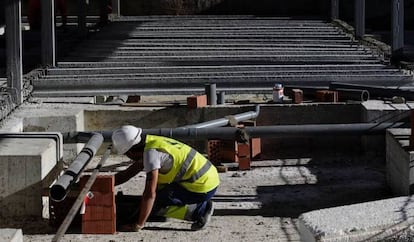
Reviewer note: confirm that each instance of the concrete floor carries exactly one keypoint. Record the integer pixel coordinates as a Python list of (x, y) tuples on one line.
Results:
[(295, 176)]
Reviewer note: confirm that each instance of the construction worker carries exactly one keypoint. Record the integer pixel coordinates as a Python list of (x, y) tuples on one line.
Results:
[(180, 182)]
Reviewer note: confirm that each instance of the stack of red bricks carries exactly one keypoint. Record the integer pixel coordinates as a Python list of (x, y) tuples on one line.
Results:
[(99, 216), (222, 151)]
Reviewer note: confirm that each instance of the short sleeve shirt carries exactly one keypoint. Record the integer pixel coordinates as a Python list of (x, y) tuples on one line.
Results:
[(154, 159)]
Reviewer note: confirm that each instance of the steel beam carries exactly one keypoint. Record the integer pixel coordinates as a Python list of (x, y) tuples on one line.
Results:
[(13, 12)]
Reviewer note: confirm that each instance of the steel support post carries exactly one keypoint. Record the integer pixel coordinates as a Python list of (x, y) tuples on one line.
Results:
[(116, 8), (211, 91), (397, 28), (48, 33), (334, 9), (359, 18), (13, 12)]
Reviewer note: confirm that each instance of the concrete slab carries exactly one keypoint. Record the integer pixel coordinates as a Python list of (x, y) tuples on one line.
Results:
[(383, 111), (369, 221), (11, 235), (399, 162), (24, 165)]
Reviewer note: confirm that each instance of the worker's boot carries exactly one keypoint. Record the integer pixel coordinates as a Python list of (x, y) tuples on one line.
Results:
[(201, 222)]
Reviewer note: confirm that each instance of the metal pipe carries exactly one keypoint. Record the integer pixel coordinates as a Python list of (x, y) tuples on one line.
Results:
[(225, 121), (375, 91), (279, 131), (211, 91), (79, 200), (221, 97), (352, 94), (276, 131), (60, 189)]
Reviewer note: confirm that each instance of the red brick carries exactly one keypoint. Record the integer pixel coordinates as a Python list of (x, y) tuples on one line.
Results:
[(244, 163), (197, 101), (243, 150), (100, 210), (297, 96), (102, 199), (327, 96), (255, 148), (98, 227), (228, 155), (213, 151), (103, 183)]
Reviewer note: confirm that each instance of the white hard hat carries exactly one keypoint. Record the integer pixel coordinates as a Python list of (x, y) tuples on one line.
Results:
[(125, 137)]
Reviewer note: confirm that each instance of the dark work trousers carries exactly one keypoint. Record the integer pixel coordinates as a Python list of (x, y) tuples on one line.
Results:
[(175, 194)]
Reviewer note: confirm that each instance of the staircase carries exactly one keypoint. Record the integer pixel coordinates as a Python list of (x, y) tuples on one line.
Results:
[(241, 54)]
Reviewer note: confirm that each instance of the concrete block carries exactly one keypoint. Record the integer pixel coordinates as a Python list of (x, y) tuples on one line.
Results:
[(11, 235), (64, 123), (24, 164), (369, 221), (399, 162)]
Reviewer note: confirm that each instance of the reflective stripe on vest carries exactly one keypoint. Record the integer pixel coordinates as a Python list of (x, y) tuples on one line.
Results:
[(200, 173), (186, 164)]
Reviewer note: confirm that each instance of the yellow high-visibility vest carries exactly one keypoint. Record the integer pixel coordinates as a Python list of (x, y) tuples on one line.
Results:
[(190, 168)]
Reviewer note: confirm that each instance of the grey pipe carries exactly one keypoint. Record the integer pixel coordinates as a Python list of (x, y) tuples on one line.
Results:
[(60, 189), (211, 91), (79, 200), (225, 121), (277, 131), (352, 94), (376, 91)]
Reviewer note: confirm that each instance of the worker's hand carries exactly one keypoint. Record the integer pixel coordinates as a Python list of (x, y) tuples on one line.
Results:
[(130, 228)]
